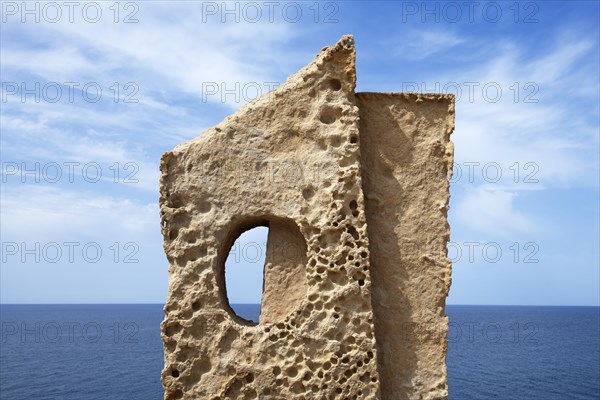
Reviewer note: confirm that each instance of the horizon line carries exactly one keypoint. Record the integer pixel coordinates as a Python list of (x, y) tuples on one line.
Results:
[(124, 304)]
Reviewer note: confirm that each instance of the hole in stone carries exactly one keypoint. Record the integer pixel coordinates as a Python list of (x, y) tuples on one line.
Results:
[(244, 273), (267, 257), (177, 201), (360, 278), (353, 232), (172, 329), (175, 373), (334, 84), (308, 193), (353, 205), (195, 306), (329, 115), (353, 139)]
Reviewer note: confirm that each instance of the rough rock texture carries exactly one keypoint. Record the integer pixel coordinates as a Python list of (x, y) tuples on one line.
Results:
[(245, 172), (407, 158), (291, 160)]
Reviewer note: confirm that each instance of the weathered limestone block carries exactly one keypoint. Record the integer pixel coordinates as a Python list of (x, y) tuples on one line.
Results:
[(346, 311), (235, 176), (407, 159)]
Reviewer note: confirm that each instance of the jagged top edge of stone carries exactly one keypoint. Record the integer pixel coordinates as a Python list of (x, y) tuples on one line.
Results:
[(412, 96), (345, 43), (409, 95)]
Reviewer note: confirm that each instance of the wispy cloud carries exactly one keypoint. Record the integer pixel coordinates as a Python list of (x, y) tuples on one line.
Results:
[(532, 114), (532, 120), (159, 54), (420, 44)]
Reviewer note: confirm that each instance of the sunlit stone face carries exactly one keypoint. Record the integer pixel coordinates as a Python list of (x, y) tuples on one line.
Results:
[(336, 289)]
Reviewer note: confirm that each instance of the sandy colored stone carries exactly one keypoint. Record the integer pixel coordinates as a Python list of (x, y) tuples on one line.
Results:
[(407, 159), (289, 159), (346, 311)]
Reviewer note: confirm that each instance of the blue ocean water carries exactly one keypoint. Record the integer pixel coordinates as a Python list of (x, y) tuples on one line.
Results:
[(88, 352)]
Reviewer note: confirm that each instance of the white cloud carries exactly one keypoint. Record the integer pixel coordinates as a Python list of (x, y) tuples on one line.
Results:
[(50, 212), (34, 212), (491, 209), (61, 245)]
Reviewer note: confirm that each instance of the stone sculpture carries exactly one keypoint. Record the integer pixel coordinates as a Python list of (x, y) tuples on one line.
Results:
[(354, 189)]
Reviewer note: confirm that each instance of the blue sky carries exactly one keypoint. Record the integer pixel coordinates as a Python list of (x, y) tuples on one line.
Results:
[(524, 207)]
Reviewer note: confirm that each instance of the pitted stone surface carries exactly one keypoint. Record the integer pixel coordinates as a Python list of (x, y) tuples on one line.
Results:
[(238, 175), (291, 160)]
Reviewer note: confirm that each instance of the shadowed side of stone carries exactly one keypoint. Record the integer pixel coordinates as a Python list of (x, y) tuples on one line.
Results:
[(406, 160)]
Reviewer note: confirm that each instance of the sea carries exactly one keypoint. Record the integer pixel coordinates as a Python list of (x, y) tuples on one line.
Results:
[(113, 352)]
